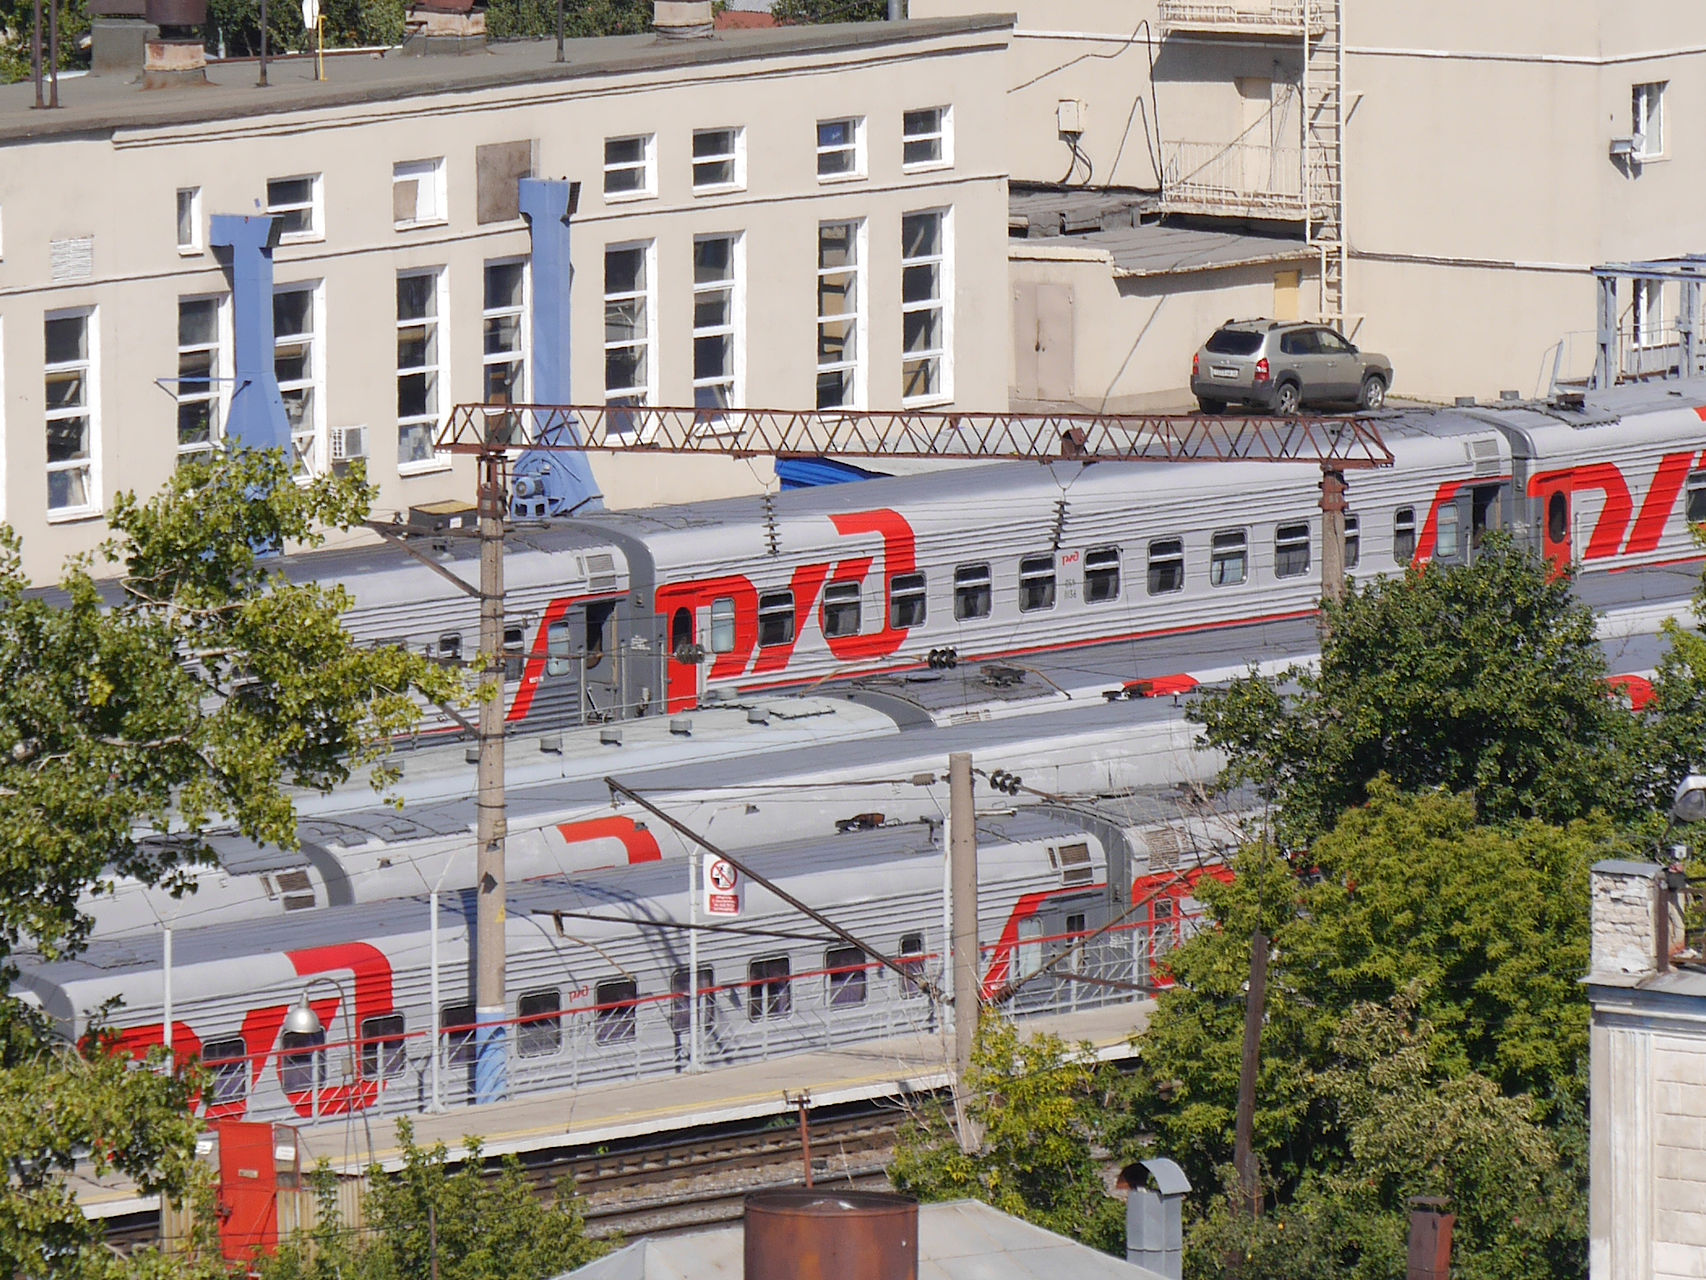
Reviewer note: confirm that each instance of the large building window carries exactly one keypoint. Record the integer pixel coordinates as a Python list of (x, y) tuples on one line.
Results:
[(298, 205), (628, 326), (505, 316), (420, 364), (1647, 102), (298, 364), (840, 149), (70, 375), (840, 296), (417, 193), (189, 220), (719, 159), (924, 307), (200, 370), (716, 332), (927, 141), (629, 172)]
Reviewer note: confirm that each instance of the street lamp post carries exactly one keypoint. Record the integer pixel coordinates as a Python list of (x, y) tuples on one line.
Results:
[(303, 1021)]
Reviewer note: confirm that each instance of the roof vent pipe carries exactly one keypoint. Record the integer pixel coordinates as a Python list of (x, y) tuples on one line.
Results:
[(682, 19), (831, 1235)]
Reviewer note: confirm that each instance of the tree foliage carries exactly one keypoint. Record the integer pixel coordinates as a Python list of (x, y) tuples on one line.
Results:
[(830, 10), (1485, 678), (135, 713), (472, 1227), (1039, 1105)]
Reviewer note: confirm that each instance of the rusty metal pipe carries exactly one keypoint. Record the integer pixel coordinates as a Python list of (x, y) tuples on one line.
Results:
[(831, 1235)]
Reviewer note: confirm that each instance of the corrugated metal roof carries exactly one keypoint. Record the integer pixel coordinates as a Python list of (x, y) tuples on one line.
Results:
[(960, 1240)]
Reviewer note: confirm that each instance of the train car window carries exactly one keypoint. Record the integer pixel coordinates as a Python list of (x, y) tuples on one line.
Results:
[(680, 1015), (1166, 566), (841, 609), (1291, 550), (723, 624), (383, 1054), (1445, 539), (1228, 558), (1101, 575), (1073, 863), (1030, 957), (776, 618), (1404, 535), (615, 1020), (1696, 504), (456, 1029), (450, 646), (300, 1055), (906, 600), (768, 994), (514, 659), (972, 592), (539, 1023), (1353, 541), (912, 960), (1558, 511), (1036, 583), (1076, 934), (845, 969), (227, 1065), (558, 649)]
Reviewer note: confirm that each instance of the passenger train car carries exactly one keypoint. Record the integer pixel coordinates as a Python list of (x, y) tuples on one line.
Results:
[(615, 615), (597, 966)]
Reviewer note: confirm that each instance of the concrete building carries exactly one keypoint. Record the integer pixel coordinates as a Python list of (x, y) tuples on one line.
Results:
[(1455, 169), (1647, 1207), (749, 207)]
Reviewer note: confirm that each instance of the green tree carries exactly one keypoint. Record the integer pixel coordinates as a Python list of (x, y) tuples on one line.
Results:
[(830, 10), (1039, 1104), (134, 715), (508, 19), (1485, 678), (473, 1227)]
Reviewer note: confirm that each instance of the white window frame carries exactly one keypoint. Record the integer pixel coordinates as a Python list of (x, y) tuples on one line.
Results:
[(90, 407), (854, 149), (218, 392), (191, 247), (646, 166), (641, 393), (315, 206), (943, 135), (1647, 114), (438, 370), (734, 378), (523, 351), (735, 157), (943, 302), (308, 442), (855, 312), (430, 194)]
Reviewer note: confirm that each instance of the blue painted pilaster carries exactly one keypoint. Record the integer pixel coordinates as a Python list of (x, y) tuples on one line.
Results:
[(257, 419), (544, 483), (491, 1056)]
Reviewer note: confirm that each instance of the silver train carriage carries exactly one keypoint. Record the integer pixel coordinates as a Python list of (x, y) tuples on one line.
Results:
[(597, 968)]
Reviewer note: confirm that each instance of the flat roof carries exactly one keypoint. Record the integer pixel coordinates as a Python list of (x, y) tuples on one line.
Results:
[(97, 104)]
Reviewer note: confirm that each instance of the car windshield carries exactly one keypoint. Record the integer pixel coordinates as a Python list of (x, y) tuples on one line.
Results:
[(1234, 342)]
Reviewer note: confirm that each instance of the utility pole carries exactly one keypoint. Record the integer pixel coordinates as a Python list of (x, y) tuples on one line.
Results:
[(1332, 534), (962, 877), (491, 1064), (1243, 1143)]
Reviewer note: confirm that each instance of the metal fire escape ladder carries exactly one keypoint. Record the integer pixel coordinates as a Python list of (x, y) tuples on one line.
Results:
[(1324, 147)]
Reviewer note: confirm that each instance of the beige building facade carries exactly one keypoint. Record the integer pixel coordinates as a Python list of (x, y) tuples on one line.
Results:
[(1459, 167), (767, 219)]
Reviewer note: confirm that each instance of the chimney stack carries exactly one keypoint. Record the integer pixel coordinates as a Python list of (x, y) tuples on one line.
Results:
[(1154, 1215), (682, 19), (174, 56), (1636, 919), (831, 1235)]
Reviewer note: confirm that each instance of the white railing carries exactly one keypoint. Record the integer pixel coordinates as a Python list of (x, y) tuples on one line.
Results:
[(1239, 15), (1245, 177)]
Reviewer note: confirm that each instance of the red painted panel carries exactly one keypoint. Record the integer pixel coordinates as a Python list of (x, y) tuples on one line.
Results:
[(1660, 502), (248, 1190), (641, 845)]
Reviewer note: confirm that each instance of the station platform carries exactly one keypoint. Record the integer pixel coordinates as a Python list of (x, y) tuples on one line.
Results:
[(585, 1118)]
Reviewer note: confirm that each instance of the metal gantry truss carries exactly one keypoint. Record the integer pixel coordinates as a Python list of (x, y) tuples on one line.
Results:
[(1338, 444)]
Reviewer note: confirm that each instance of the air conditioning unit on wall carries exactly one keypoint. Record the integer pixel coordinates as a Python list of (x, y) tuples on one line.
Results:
[(348, 443)]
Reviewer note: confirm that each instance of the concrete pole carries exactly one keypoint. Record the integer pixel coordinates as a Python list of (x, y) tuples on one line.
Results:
[(1243, 1142), (693, 1021), (1332, 534), (437, 1030), (962, 864), (166, 995), (491, 1065)]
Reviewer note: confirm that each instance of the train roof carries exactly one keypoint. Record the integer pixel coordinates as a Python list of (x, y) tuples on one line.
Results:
[(110, 958)]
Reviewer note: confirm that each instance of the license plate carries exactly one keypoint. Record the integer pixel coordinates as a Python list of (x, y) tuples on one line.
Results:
[(1221, 371)]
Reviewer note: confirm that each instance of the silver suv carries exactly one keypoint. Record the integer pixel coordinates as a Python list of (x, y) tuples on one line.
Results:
[(1281, 365)]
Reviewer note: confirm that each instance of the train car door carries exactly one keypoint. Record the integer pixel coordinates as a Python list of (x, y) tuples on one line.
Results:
[(601, 680), (686, 659), (1552, 494), (1487, 513)]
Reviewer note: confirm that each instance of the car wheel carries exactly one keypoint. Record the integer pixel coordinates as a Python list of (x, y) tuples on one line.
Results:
[(1373, 392), (1210, 406), (1287, 397)]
